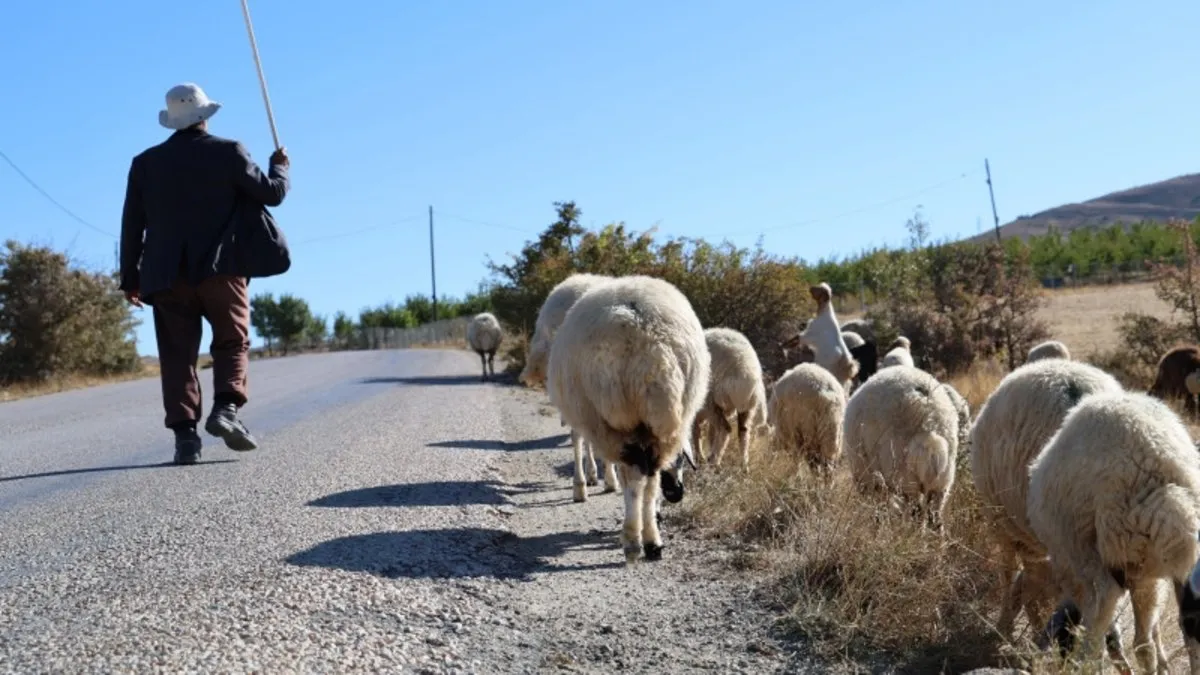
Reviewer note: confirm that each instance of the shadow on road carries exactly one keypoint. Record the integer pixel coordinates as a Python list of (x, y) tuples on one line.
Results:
[(501, 379), (547, 443), (455, 553), (98, 469), (438, 493)]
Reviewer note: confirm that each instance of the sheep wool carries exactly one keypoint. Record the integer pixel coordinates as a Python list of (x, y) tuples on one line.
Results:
[(1051, 349), (805, 413), (901, 435), (1115, 497), (735, 388), (630, 369), (484, 336), (550, 317), (1012, 426)]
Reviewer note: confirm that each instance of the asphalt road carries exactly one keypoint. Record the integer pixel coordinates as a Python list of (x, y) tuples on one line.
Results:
[(400, 516)]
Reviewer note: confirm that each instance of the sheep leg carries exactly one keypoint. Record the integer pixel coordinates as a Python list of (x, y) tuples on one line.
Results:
[(631, 532), (718, 435), (589, 464), (1034, 591), (651, 537), (1099, 604), (933, 510), (1014, 581), (1144, 594), (697, 430), (580, 480), (610, 476), (743, 427), (492, 362), (483, 361)]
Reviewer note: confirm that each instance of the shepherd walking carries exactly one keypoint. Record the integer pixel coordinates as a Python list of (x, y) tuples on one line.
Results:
[(191, 239)]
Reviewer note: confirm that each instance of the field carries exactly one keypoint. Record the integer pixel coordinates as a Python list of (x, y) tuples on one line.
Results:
[(1085, 319)]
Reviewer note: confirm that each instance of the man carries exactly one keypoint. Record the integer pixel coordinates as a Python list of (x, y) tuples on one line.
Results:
[(180, 199)]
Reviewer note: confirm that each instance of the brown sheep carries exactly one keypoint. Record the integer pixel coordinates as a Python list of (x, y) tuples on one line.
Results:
[(1174, 369)]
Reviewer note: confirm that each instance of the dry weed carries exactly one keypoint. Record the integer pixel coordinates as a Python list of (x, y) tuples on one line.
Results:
[(854, 577)]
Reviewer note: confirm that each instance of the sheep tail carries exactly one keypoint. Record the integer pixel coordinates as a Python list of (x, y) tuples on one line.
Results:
[(928, 460)]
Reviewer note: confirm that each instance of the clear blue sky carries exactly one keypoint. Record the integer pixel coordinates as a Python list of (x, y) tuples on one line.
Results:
[(707, 118)]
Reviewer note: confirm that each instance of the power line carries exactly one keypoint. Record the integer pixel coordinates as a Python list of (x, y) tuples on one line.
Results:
[(360, 231), (52, 200)]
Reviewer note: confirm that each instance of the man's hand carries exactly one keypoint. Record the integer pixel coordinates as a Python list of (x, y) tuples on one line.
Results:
[(280, 157), (134, 298)]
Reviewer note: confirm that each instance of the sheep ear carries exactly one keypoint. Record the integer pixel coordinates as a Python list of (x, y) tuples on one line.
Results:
[(687, 454)]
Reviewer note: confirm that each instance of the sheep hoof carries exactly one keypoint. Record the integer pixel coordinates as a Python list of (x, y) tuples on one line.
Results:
[(633, 553), (653, 551), (581, 493), (593, 481), (609, 487)]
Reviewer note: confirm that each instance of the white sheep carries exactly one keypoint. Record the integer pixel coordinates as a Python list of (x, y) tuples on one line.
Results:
[(805, 413), (1115, 497), (1012, 426), (550, 317), (629, 368), (901, 436), (484, 336), (824, 337), (899, 353), (1050, 349), (736, 388)]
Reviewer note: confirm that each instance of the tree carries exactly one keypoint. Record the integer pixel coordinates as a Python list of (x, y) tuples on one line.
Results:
[(318, 331), (58, 321), (292, 319), (264, 316), (343, 329)]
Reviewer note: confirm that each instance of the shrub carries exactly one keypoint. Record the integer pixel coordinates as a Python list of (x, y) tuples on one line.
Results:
[(761, 295), (963, 303), (60, 321)]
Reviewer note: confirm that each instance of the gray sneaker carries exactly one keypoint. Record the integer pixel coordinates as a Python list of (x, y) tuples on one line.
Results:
[(223, 423)]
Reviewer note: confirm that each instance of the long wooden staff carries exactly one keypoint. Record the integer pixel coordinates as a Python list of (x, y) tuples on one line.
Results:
[(262, 81)]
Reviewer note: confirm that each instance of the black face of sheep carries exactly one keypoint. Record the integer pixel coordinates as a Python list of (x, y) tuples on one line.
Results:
[(671, 480)]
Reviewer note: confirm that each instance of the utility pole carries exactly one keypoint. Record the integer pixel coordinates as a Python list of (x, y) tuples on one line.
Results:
[(432, 267), (988, 170)]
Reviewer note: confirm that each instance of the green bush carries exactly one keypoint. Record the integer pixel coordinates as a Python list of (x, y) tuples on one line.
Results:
[(57, 320)]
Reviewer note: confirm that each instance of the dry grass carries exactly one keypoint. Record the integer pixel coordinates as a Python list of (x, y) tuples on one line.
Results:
[(57, 385), (1086, 319), (860, 583)]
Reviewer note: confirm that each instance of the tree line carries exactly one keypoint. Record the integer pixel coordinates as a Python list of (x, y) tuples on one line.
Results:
[(58, 318)]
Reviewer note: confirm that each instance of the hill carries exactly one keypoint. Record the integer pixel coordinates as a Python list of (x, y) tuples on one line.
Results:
[(1177, 197)]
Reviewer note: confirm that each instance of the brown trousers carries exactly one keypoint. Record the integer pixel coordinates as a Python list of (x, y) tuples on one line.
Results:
[(224, 301)]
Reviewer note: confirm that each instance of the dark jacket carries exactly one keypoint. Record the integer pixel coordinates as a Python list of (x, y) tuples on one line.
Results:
[(186, 196)]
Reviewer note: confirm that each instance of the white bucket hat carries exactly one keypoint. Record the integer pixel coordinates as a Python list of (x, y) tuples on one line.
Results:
[(187, 104)]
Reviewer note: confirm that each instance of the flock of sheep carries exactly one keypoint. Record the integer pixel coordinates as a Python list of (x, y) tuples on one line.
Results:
[(1092, 490)]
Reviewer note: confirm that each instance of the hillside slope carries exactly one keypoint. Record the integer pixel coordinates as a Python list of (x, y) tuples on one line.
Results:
[(1177, 197)]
